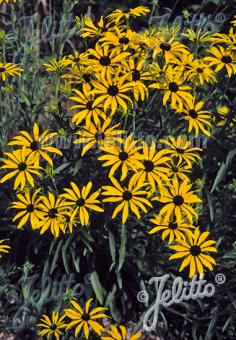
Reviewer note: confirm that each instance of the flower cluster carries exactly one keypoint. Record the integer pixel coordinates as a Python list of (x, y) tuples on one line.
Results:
[(107, 82), (85, 321)]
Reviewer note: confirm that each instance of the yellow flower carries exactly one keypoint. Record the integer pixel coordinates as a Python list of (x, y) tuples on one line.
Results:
[(170, 227), (85, 319), (178, 170), (170, 48), (228, 39), (198, 120), (52, 327), (53, 209), (101, 134), (181, 149), (178, 200), (119, 15), (111, 92), (174, 90), (79, 75), (90, 30), (77, 59), (125, 156), (121, 40), (4, 248), (197, 36), (199, 73), (29, 207), (138, 75), (71, 220), (21, 165), (130, 198), (37, 144), (9, 69), (54, 65), (103, 58), (120, 334), (83, 201), (87, 109), (222, 58), (194, 251), (154, 166), (223, 110)]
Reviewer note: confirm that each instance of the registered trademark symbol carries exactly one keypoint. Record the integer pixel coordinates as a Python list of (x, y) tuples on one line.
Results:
[(220, 278)]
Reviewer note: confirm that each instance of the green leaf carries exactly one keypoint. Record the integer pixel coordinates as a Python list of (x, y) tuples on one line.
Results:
[(55, 257), (97, 287), (112, 246), (122, 251)]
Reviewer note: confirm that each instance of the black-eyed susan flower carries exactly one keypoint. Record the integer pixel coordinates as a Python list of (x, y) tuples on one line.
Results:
[(174, 90), (181, 149), (85, 107), (79, 75), (103, 58), (82, 201), (139, 75), (112, 91), (178, 170), (91, 29), (130, 198), (121, 40), (52, 327), (178, 200), (169, 49), (222, 58), (120, 333), (54, 65), (100, 134), (198, 36), (29, 209), (200, 72), (38, 145), (85, 320), (4, 248), (198, 120), (124, 155), (194, 251), (53, 209), (9, 69), (77, 59), (21, 165), (71, 219), (170, 228), (119, 14), (154, 169)]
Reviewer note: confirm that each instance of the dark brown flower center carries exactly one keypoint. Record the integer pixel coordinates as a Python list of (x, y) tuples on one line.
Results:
[(178, 200), (35, 145), (136, 75), (173, 225), (173, 87), (180, 151), (165, 46), (30, 208), (52, 213), (112, 90), (2, 69), (123, 156), (89, 105), (149, 165), (53, 327), (22, 166), (200, 70), (105, 61), (175, 168), (80, 202), (99, 136), (85, 317), (195, 250), (76, 60), (193, 114), (87, 77), (124, 40), (226, 59), (127, 195)]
